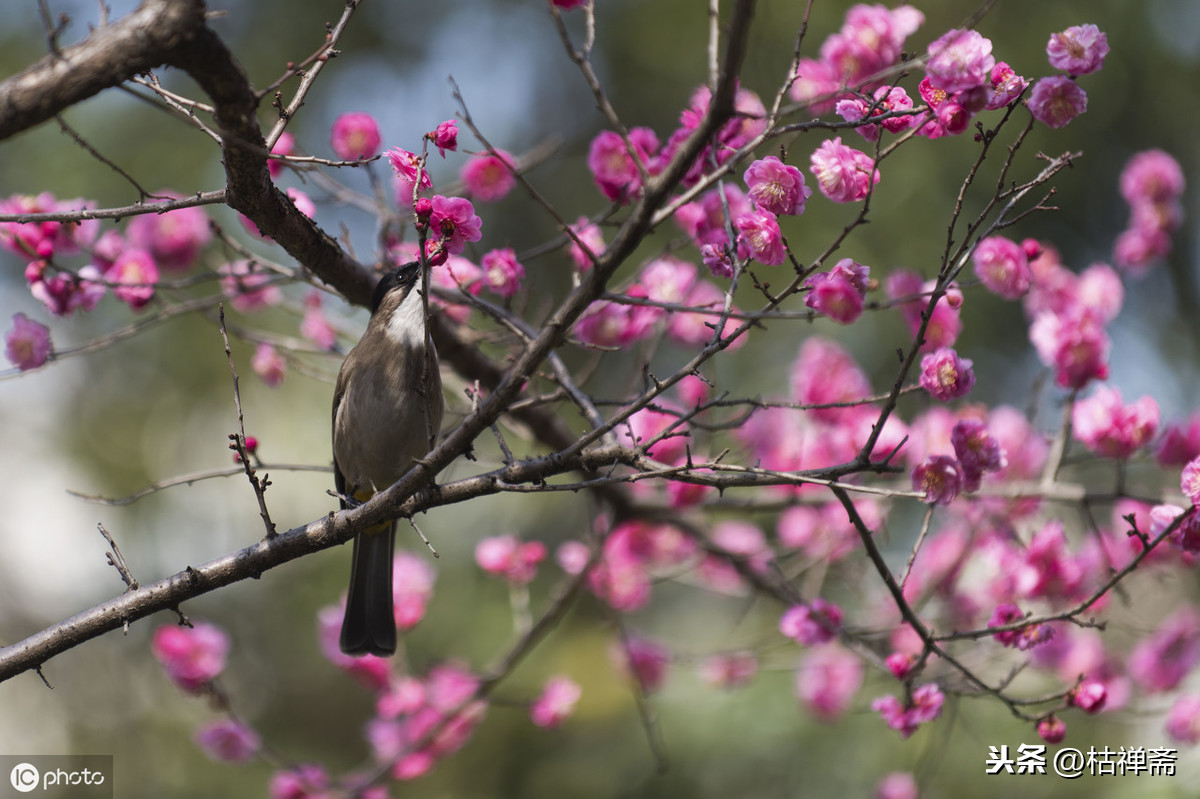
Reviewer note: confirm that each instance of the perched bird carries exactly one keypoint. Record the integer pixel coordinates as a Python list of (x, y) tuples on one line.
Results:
[(387, 411)]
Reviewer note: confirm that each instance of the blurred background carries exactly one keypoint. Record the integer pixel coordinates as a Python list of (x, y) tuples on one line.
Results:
[(160, 405)]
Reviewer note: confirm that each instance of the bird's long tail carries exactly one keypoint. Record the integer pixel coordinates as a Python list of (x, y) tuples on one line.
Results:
[(369, 626)]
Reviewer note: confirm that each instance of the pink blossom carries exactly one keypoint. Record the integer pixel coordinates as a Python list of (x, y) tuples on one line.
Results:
[(589, 246), (306, 781), (1108, 427), (1002, 266), (616, 174), (827, 679), (490, 177), (759, 238), (697, 327), (27, 344), (662, 427), (814, 80), (840, 292), (1089, 696), (354, 136), (174, 238), (508, 557), (645, 661), (900, 664), (135, 274), (939, 478), (1180, 442), (502, 273), (826, 374), (412, 588), (572, 556), (960, 59), (1056, 100), (1151, 176), (445, 137), (668, 280), (1161, 661), (1007, 86), (268, 364), (1074, 343), (315, 327), (569, 5), (556, 703), (776, 187), (815, 623), (887, 100), (1078, 50), (407, 167), (977, 450), (460, 274), (926, 705), (1183, 720), (191, 656), (844, 175), (897, 785), (284, 145), (454, 223), (945, 375), (403, 696), (1100, 288), (729, 670), (1052, 729), (34, 240), (1024, 638), (704, 219), (248, 286), (612, 324), (228, 741)]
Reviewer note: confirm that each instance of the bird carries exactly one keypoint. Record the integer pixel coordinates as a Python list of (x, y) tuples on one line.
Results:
[(387, 412)]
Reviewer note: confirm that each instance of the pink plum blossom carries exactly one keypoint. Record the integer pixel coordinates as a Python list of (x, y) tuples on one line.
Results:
[(191, 656), (508, 557), (644, 661), (1024, 638), (1002, 266), (1111, 428), (827, 679), (1183, 720), (840, 292), (248, 286), (815, 623), (776, 187), (960, 59), (1161, 661), (315, 327), (897, 785), (174, 238), (616, 174), (945, 375), (825, 374), (408, 166), (268, 364), (759, 238), (27, 344), (939, 478), (925, 706), (977, 450), (445, 137), (1089, 695), (305, 781), (1073, 342), (590, 243), (502, 272), (453, 223), (844, 175), (354, 136), (228, 741), (886, 100), (1056, 100), (284, 145), (1007, 86), (1078, 50), (135, 274), (1052, 729), (1151, 176), (412, 587), (556, 702), (489, 177)]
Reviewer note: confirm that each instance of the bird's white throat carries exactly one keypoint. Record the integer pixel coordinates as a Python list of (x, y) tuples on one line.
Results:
[(407, 323)]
